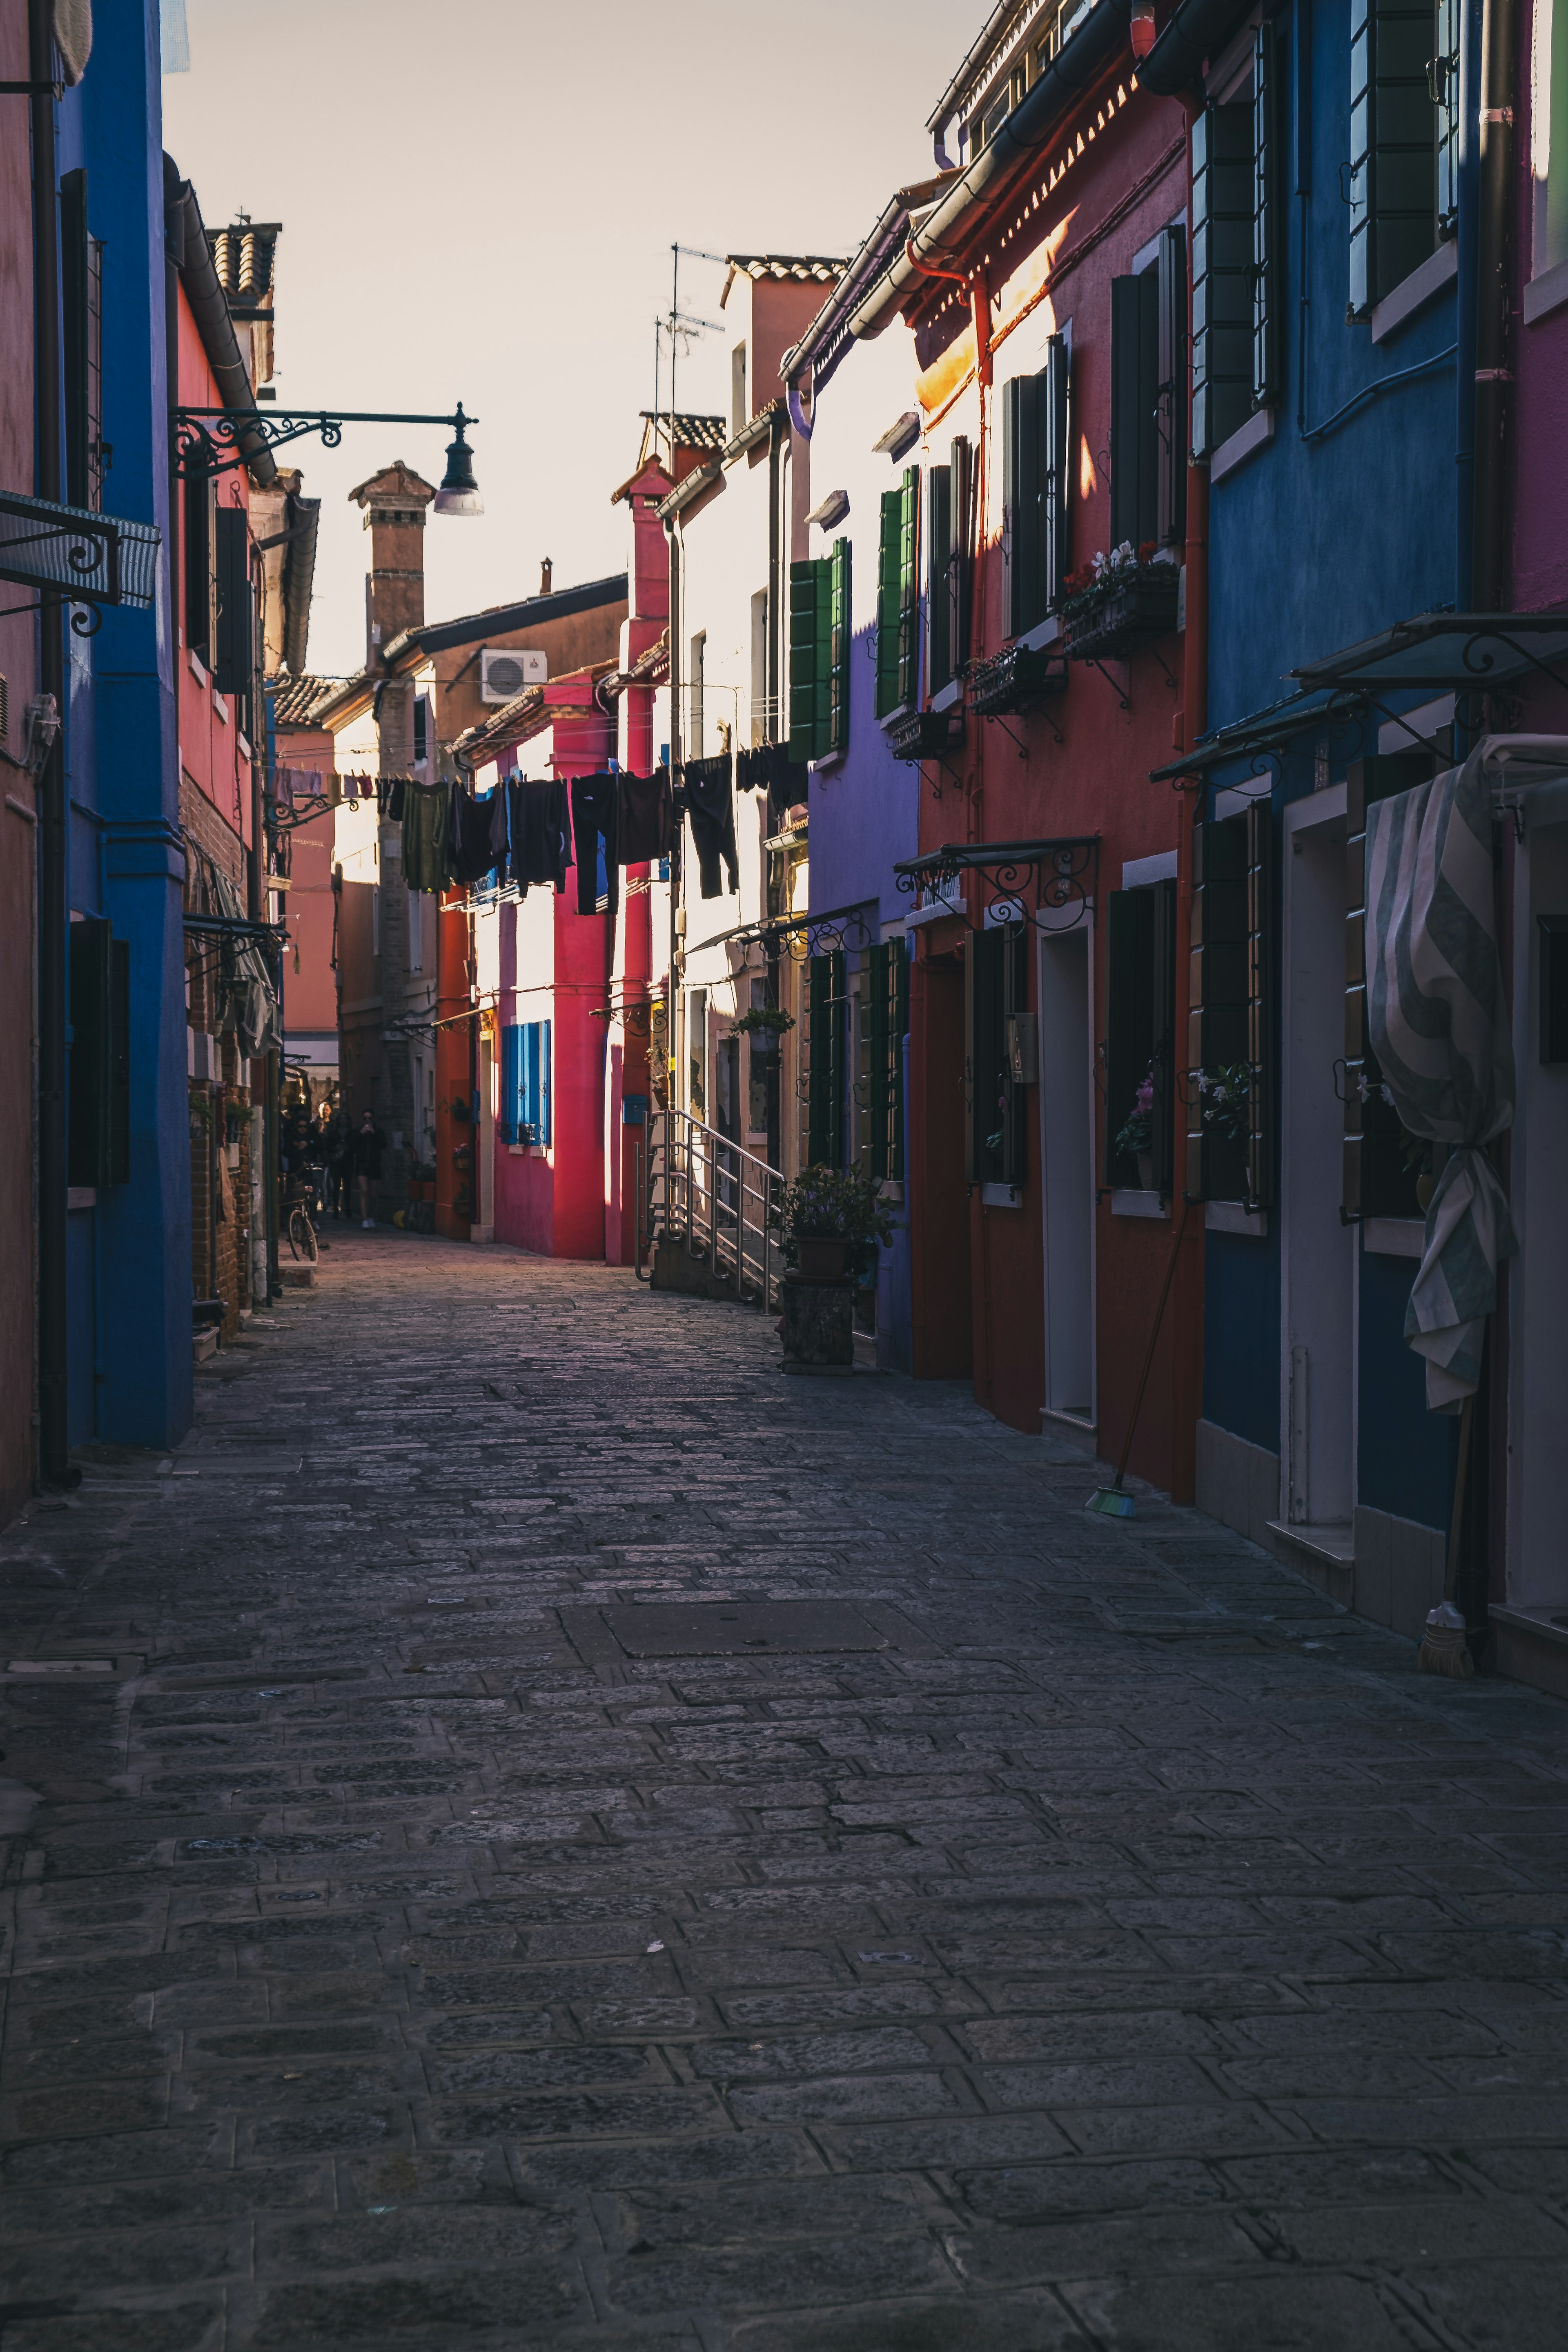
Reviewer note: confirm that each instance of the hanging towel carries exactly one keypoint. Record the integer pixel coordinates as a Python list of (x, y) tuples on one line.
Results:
[(644, 818), (711, 812), (593, 800), (500, 830), (471, 856), (1439, 1026), (425, 822), (541, 834)]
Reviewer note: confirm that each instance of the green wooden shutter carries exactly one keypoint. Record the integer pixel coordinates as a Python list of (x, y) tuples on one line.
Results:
[(1134, 402), (1394, 132), (824, 1070), (939, 594), (1217, 1023), (1446, 98), (1268, 161), (1170, 391), (1056, 482), (802, 580), (890, 1021), (1222, 275), (889, 523), (960, 571), (909, 586), (1260, 1004), (1162, 1034), (1129, 1025), (1374, 1180), (1022, 490), (89, 1092), (840, 642), (822, 718)]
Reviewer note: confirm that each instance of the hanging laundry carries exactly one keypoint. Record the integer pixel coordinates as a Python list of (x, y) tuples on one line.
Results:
[(500, 830), (540, 820), (390, 794), (711, 810), (469, 856), (426, 817), (645, 821), (593, 800)]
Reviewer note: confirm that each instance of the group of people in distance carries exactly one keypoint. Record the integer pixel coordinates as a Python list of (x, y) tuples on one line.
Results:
[(335, 1158)]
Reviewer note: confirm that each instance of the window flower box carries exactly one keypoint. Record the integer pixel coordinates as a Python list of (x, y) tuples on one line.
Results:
[(1125, 606), (925, 734), (1014, 679)]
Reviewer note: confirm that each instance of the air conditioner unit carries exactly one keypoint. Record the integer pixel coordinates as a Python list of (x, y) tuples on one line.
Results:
[(505, 671)]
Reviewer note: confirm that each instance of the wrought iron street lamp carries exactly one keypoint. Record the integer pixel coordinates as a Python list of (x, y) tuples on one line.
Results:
[(217, 440)]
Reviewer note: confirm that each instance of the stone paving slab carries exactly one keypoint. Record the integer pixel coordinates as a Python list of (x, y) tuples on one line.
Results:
[(1130, 1951)]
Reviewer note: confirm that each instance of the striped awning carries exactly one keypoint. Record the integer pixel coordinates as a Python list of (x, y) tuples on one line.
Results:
[(1439, 1027)]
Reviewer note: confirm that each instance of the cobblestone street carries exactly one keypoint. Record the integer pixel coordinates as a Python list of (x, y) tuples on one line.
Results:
[(1045, 1931)]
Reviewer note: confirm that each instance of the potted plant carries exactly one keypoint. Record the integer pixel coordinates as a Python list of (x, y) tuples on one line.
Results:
[(764, 1025), (1136, 1138), (1115, 602), (832, 1219)]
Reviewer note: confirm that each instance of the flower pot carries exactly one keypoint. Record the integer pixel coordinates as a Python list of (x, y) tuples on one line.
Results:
[(1146, 1171), (764, 1041), (821, 1257)]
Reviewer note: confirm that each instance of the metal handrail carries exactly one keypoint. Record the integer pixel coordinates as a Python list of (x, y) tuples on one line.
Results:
[(720, 1201)]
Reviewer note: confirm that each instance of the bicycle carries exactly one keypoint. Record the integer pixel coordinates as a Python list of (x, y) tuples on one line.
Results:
[(302, 1241)]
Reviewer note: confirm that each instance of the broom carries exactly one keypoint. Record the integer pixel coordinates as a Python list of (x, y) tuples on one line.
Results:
[(1113, 1501), (1444, 1647)]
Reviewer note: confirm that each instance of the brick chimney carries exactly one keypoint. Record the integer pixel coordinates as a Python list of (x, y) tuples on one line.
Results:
[(546, 572), (393, 502)]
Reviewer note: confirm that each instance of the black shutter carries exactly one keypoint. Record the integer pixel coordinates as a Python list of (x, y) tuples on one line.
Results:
[(939, 596), (803, 584), (1218, 1030), (1021, 499), (1130, 1006), (1395, 136), (824, 1075), (1445, 98), (1222, 275), (889, 524), (961, 571), (1171, 493), (1267, 163), (995, 976), (909, 588), (232, 652), (90, 1082), (1134, 404), (75, 321), (1162, 1034), (1376, 1182), (119, 1171), (1055, 484), (1260, 1004)]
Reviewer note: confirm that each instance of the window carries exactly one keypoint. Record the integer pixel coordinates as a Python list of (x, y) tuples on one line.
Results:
[(1141, 1039), (740, 409), (1238, 217), (82, 304), (1148, 407), (995, 974), (890, 991), (1378, 1178), (1404, 127), (525, 1082), (825, 1007), (897, 603), (1548, 126), (98, 1080), (421, 730), (695, 695), (819, 654), (1035, 488)]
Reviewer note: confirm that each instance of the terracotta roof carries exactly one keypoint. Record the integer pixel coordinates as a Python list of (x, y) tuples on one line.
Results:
[(294, 699), (791, 268), (691, 432), (243, 257)]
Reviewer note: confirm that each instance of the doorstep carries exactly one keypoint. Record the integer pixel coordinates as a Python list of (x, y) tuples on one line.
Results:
[(866, 1351), (1332, 1544), (204, 1344), (1546, 1624), (297, 1277)]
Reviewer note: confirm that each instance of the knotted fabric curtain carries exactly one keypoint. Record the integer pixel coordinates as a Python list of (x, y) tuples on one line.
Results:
[(1439, 1027)]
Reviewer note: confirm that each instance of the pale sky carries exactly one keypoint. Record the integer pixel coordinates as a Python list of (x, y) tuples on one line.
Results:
[(478, 200)]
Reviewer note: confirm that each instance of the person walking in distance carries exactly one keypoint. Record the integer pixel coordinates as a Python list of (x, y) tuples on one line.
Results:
[(338, 1141), (369, 1143)]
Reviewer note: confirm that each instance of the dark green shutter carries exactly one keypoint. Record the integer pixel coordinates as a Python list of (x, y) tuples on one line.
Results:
[(839, 643), (1222, 275), (890, 1021), (825, 1071), (959, 573), (1260, 1004), (1268, 159), (1217, 1021), (1162, 1034), (75, 321), (1134, 402), (889, 525), (939, 596), (1394, 131), (1170, 463), (802, 579), (909, 586), (1055, 476), (91, 1088), (822, 717), (1129, 1023), (232, 652), (1445, 98), (1021, 498), (1376, 1182)]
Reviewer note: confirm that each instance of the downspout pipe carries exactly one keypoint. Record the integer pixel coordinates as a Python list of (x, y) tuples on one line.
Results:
[(1071, 74), (1493, 377), (54, 1467)]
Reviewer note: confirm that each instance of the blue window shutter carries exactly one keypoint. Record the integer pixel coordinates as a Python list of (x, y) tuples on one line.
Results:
[(544, 1083), (1267, 153), (509, 1085)]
